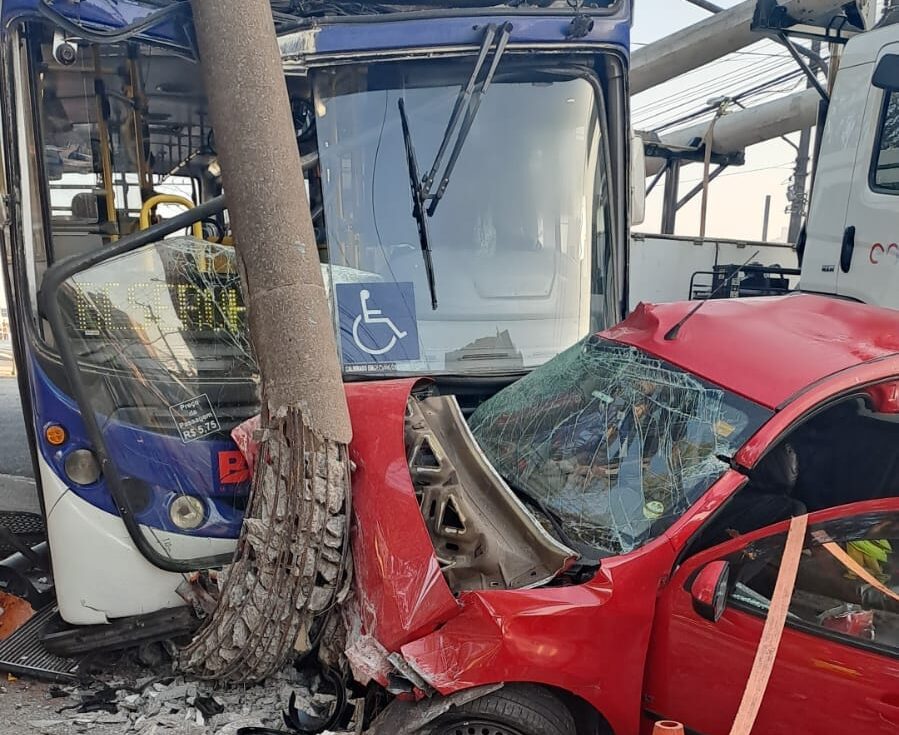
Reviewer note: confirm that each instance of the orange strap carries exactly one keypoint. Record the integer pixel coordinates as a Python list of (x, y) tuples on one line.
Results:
[(766, 653), (858, 570)]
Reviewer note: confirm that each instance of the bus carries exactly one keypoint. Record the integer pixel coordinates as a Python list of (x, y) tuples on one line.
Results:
[(127, 317)]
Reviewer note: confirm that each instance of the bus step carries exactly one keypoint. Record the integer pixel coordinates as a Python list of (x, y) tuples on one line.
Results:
[(23, 652), (19, 529)]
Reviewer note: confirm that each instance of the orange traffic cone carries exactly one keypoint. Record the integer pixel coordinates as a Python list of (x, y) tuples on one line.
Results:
[(667, 727)]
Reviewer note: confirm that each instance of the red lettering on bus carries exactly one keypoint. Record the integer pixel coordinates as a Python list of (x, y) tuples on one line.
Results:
[(233, 468)]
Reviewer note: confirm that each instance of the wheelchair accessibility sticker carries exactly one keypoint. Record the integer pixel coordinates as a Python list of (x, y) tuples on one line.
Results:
[(377, 323)]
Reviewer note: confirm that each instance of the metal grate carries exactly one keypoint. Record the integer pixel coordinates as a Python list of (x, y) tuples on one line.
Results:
[(29, 527), (23, 652)]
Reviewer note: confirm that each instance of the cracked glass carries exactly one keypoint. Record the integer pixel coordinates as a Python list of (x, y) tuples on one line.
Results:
[(169, 317), (610, 444), (162, 345)]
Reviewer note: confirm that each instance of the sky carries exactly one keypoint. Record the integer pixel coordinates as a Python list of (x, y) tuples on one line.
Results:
[(737, 197)]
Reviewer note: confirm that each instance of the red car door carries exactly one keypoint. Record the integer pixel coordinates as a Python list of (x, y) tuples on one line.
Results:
[(837, 669)]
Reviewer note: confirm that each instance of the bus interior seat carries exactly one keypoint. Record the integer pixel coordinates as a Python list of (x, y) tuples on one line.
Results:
[(80, 232)]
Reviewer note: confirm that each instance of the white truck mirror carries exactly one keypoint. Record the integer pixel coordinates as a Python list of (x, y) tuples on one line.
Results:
[(638, 180)]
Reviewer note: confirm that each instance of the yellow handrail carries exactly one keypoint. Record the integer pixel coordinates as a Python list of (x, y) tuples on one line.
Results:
[(154, 201)]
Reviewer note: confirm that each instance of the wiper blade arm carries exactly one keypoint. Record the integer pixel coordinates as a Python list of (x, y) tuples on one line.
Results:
[(470, 116), (461, 102), (588, 557), (468, 101), (418, 204)]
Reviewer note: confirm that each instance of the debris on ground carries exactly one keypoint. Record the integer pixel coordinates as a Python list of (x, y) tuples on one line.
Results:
[(133, 700), (14, 613)]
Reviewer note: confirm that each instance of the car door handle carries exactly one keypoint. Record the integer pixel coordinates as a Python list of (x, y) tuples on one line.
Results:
[(847, 248)]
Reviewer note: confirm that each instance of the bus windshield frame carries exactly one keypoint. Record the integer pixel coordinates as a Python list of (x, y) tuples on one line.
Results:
[(522, 239)]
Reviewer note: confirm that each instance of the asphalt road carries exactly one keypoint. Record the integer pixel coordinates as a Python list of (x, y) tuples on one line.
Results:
[(14, 456), (17, 489)]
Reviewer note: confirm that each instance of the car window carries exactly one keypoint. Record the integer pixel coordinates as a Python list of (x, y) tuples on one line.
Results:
[(847, 453), (847, 586), (885, 174)]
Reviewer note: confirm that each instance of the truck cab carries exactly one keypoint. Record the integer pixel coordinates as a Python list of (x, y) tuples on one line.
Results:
[(852, 232)]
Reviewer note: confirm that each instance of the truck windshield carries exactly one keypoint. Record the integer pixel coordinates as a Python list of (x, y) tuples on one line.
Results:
[(518, 239), (613, 442)]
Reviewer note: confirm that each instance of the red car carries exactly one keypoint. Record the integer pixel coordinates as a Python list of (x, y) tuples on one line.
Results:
[(595, 548)]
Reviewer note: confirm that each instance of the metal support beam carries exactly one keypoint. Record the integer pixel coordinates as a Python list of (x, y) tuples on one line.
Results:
[(669, 204), (706, 5), (799, 185), (652, 185), (806, 69), (693, 152), (698, 188)]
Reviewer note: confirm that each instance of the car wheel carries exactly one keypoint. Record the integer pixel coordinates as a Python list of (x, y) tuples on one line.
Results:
[(512, 710)]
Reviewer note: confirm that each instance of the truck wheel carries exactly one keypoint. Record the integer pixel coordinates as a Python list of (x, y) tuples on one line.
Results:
[(512, 710)]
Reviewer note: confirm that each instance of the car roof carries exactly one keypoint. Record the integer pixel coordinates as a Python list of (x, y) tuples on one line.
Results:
[(765, 349)]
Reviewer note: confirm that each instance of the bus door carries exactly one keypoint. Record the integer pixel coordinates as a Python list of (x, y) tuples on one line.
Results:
[(136, 354)]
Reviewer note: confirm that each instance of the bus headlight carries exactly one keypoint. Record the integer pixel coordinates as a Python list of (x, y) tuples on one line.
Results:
[(187, 512), (81, 467)]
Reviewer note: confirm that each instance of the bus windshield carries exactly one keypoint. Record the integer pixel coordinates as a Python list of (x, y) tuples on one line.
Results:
[(514, 241)]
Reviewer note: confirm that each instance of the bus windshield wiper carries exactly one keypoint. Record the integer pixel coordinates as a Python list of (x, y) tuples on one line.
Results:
[(468, 102), (468, 94), (418, 204)]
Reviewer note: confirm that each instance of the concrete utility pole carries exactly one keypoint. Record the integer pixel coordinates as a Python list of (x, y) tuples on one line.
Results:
[(738, 130), (710, 39), (691, 47), (288, 565)]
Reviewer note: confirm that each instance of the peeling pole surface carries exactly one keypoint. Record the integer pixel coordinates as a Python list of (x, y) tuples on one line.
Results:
[(290, 562)]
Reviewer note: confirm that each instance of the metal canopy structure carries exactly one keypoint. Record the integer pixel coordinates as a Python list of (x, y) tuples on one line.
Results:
[(730, 132), (713, 37), (736, 130)]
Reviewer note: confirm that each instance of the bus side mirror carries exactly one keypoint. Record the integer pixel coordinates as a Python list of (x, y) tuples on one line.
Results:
[(709, 590), (886, 75), (638, 180)]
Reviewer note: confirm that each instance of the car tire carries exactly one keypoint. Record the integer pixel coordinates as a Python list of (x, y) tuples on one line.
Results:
[(512, 710)]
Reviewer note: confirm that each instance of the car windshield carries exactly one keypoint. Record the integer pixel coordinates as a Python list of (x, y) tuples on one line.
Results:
[(515, 237), (614, 443)]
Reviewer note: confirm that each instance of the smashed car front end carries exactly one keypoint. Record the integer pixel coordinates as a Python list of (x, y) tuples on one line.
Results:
[(527, 544)]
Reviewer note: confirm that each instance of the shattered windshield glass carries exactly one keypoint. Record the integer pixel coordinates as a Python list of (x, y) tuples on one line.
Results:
[(614, 443)]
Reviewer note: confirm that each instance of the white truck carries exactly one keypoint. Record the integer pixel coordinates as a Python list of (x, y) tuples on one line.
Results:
[(852, 232)]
